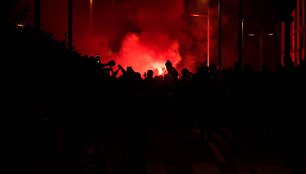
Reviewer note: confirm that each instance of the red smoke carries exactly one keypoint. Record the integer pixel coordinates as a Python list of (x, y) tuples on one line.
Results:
[(139, 33), (144, 52)]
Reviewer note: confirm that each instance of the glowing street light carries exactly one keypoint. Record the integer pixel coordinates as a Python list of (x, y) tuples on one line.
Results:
[(90, 2), (194, 15), (20, 26)]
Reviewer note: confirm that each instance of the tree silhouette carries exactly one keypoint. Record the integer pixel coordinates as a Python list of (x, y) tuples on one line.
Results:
[(7, 15)]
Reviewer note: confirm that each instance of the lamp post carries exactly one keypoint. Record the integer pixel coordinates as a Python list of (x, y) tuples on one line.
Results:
[(208, 39), (240, 33), (91, 17), (70, 25), (220, 33)]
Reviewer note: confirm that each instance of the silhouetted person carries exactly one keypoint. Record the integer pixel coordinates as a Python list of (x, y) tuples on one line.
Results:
[(108, 70), (171, 70)]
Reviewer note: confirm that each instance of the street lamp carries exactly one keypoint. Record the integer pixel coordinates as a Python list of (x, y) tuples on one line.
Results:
[(240, 32), (70, 25), (90, 17), (220, 33), (208, 39)]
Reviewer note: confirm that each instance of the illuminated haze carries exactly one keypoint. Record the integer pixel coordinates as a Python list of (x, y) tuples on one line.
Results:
[(139, 33)]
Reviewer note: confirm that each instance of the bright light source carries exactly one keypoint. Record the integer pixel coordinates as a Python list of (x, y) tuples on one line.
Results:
[(20, 26), (194, 15), (251, 34), (271, 34), (203, 2)]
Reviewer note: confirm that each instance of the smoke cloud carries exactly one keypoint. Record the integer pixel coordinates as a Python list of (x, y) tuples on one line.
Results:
[(141, 34)]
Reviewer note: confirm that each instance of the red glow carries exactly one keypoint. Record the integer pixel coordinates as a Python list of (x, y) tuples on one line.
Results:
[(90, 17), (177, 26), (142, 54), (194, 15)]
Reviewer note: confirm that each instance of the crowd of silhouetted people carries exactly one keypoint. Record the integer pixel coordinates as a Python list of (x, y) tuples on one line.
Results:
[(64, 107)]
